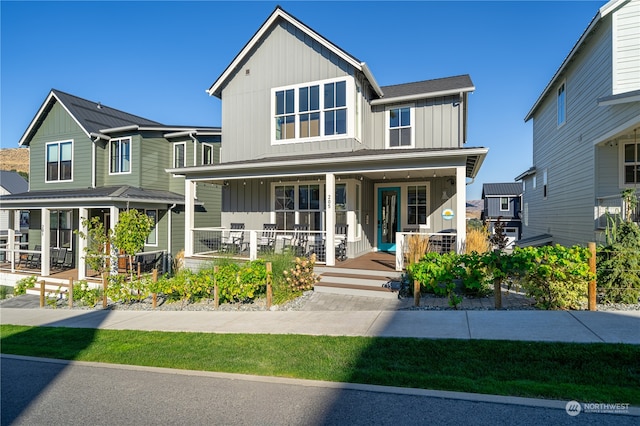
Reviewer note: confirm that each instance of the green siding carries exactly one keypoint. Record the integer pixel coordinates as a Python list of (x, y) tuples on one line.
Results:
[(59, 126), (211, 196)]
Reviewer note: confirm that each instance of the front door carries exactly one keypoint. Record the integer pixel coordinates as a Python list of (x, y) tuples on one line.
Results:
[(388, 218)]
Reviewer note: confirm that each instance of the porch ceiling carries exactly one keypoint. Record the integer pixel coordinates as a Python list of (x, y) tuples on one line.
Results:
[(373, 164)]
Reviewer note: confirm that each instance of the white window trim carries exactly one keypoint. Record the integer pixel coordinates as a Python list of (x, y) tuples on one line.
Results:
[(130, 155), (507, 209), (545, 185), (564, 117), (350, 88), (404, 207), (46, 149), (173, 154), (154, 230), (412, 117), (621, 164), (202, 154)]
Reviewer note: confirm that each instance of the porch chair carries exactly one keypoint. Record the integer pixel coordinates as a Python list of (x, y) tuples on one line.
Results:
[(300, 239), (268, 238), (57, 257), (340, 241), (68, 260), (234, 243), (25, 259), (33, 259)]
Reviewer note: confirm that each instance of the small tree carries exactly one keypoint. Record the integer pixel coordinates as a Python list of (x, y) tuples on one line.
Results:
[(98, 238), (630, 202), (498, 238), (131, 231)]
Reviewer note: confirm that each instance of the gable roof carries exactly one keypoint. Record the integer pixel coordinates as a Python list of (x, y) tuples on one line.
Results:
[(12, 182), (279, 13), (501, 189), (426, 88), (602, 12), (89, 115)]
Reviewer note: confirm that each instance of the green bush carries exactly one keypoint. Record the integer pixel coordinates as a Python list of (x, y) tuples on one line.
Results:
[(4, 291), (85, 295), (23, 284), (618, 265), (556, 277)]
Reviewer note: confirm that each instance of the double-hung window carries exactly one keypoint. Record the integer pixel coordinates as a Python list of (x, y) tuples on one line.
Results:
[(400, 127), (307, 112), (309, 206), (207, 154), (285, 206), (179, 154), (152, 238), (504, 204), (417, 205), (562, 104), (120, 154), (631, 163), (61, 228), (59, 161)]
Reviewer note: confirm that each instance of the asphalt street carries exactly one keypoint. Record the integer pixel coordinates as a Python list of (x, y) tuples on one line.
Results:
[(52, 392)]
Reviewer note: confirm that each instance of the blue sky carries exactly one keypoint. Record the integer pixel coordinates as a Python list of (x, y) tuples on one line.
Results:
[(156, 59)]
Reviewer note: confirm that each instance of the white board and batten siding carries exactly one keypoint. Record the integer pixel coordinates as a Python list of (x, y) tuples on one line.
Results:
[(626, 48)]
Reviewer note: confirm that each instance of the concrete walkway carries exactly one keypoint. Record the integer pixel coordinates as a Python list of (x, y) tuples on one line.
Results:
[(526, 325)]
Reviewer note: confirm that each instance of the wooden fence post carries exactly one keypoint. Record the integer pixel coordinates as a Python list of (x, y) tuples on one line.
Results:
[(154, 278), (416, 286), (42, 284), (104, 290), (269, 288), (497, 292), (70, 292), (592, 283), (216, 298)]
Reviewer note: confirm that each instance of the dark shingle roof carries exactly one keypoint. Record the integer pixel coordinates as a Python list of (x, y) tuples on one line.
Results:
[(13, 182), (493, 189), (112, 193), (94, 116), (428, 86)]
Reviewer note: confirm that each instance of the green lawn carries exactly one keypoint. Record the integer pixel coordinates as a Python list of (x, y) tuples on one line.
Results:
[(567, 371)]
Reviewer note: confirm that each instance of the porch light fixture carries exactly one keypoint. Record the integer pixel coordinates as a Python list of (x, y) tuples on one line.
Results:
[(384, 176), (434, 174), (244, 182), (408, 176)]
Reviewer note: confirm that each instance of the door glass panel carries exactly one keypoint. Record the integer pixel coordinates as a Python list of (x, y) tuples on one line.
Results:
[(389, 216)]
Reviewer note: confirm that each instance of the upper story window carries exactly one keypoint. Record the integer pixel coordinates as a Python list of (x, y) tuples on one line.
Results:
[(179, 154), (400, 127), (631, 163), (562, 104), (207, 154), (120, 154), (544, 184), (308, 112), (59, 161), (504, 204)]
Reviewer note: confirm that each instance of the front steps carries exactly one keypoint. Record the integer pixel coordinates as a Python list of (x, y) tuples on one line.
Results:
[(357, 282)]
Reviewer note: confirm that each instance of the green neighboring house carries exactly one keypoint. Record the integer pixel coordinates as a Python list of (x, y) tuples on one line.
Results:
[(88, 160)]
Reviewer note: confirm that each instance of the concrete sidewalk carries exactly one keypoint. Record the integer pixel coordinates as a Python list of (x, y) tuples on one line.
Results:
[(526, 325)]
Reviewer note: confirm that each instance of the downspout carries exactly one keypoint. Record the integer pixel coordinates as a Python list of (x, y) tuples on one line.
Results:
[(169, 240), (93, 161)]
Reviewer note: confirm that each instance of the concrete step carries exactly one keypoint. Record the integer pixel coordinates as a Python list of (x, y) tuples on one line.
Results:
[(357, 283)]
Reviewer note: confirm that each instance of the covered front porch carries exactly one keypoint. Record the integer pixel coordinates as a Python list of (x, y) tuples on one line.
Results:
[(338, 206)]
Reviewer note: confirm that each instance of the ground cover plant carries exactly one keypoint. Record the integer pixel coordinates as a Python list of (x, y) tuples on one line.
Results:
[(567, 371)]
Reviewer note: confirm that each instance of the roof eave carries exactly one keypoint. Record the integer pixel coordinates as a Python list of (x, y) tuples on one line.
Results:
[(602, 12), (417, 96)]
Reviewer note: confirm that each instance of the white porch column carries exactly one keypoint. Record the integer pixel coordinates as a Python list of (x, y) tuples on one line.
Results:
[(114, 215), (461, 208), (45, 241), (330, 200), (189, 209), (11, 246), (82, 244)]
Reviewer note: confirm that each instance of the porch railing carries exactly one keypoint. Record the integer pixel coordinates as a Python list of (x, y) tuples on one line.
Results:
[(252, 243), (14, 258), (613, 207), (438, 242)]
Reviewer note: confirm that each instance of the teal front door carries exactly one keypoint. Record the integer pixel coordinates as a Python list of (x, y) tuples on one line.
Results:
[(388, 218)]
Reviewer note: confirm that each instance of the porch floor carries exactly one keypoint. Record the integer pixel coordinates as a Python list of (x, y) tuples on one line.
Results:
[(374, 261)]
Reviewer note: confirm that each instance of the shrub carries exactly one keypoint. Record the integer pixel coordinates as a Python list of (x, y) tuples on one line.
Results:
[(85, 295), (618, 265), (556, 277), (23, 284), (301, 277)]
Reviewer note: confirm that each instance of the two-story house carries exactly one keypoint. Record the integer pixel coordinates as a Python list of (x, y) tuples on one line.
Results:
[(88, 160), (311, 138), (586, 147), (503, 202)]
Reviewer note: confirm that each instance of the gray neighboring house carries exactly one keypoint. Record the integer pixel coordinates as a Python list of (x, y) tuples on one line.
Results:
[(503, 202), (311, 139), (586, 147)]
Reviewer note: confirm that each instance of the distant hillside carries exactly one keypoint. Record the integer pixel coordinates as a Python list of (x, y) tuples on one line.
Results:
[(14, 159), (474, 209)]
